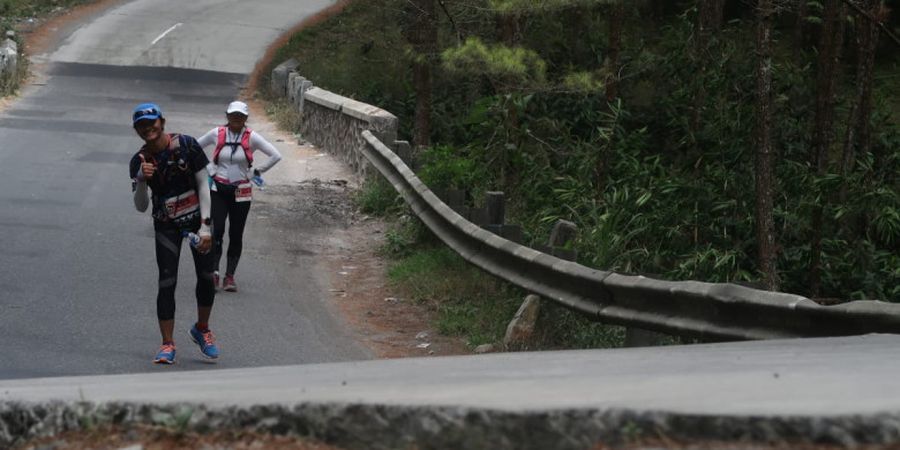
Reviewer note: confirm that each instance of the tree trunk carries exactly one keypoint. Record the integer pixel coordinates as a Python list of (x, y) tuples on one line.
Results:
[(882, 13), (508, 27), (826, 80), (800, 26), (858, 131), (715, 14), (423, 37), (865, 72), (709, 21), (765, 230), (616, 18)]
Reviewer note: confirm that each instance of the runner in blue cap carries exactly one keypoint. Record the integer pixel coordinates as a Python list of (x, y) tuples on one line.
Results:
[(173, 166)]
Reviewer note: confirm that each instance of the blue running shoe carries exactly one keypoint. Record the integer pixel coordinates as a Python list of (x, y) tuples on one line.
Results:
[(166, 354), (207, 342)]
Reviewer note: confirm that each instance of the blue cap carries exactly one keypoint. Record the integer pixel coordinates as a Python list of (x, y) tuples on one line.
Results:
[(149, 111)]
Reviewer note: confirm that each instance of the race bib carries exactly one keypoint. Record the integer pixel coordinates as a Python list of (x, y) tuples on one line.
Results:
[(243, 192), (182, 205)]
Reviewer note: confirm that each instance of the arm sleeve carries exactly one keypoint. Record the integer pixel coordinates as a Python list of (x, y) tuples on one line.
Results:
[(201, 176), (205, 199), (141, 196), (257, 142), (206, 140), (139, 186), (209, 138)]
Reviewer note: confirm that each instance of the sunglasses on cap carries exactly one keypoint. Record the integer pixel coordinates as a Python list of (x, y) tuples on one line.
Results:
[(148, 113)]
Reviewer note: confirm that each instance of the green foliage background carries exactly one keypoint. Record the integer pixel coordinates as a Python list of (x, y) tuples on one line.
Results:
[(649, 193), (13, 11)]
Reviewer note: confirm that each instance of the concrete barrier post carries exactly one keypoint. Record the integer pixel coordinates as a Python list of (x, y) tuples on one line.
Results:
[(456, 200), (522, 330), (280, 76), (562, 234), (9, 55), (305, 85), (404, 151), (495, 202), (291, 87), (637, 337)]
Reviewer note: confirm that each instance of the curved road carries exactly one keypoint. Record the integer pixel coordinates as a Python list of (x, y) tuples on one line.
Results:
[(78, 275), (77, 288)]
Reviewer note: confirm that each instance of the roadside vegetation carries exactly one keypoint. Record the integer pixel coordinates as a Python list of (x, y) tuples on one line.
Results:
[(23, 15), (712, 140), (16, 10)]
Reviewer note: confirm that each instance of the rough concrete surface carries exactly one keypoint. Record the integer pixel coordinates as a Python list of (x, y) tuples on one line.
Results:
[(363, 426), (830, 390)]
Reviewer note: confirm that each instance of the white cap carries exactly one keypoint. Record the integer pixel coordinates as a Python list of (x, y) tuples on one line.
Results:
[(237, 106)]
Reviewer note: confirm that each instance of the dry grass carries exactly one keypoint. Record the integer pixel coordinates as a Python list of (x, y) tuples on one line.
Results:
[(159, 438)]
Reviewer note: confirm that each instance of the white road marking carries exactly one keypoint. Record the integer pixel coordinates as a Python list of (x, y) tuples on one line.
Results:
[(165, 33)]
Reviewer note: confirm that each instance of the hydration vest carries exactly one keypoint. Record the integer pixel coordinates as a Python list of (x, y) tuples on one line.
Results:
[(245, 144)]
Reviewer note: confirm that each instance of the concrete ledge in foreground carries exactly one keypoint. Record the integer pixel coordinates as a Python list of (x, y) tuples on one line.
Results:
[(832, 390)]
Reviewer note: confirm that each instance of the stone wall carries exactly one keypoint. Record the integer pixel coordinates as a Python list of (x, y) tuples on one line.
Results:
[(9, 54), (333, 122)]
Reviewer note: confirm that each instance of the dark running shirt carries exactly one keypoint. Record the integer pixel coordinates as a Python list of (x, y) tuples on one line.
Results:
[(174, 187)]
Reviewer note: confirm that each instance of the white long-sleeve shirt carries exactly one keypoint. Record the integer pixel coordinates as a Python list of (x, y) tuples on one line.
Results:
[(233, 163)]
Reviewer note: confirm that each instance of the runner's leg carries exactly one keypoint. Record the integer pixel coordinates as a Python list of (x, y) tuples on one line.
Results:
[(205, 290), (168, 250), (219, 214), (239, 213)]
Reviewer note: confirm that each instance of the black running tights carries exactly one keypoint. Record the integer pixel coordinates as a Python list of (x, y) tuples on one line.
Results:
[(168, 252), (225, 208)]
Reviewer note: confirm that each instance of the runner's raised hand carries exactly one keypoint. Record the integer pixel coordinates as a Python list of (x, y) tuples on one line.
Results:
[(147, 169)]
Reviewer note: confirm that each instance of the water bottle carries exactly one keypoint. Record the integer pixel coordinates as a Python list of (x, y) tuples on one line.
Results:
[(258, 180), (193, 238)]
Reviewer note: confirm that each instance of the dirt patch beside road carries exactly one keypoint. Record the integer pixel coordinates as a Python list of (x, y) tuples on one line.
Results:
[(317, 192), (391, 326)]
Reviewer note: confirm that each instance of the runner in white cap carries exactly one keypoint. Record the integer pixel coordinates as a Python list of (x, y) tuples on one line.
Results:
[(231, 170)]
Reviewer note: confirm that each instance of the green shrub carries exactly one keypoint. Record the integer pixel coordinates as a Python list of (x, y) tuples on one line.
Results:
[(377, 197)]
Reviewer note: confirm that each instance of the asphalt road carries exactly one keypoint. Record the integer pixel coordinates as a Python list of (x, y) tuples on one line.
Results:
[(77, 272), (77, 275)]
